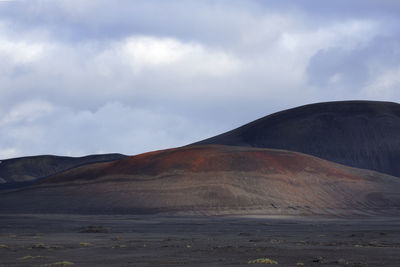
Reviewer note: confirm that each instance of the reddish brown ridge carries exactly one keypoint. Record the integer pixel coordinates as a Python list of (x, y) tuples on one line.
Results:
[(209, 158), (214, 179)]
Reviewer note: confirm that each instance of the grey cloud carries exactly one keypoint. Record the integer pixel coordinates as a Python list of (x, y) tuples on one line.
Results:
[(342, 8), (353, 69), (41, 128), (133, 76), (83, 20), (337, 66)]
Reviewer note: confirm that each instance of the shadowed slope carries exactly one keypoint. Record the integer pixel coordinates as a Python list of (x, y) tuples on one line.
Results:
[(362, 134), (23, 171), (211, 180)]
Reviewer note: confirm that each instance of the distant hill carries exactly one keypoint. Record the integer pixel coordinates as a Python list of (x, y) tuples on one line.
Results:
[(208, 180), (23, 171), (362, 134)]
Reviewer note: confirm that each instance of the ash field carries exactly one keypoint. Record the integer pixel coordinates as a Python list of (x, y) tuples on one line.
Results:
[(133, 240), (317, 185)]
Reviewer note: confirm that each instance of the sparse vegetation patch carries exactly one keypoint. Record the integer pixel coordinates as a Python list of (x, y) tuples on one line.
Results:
[(263, 261)]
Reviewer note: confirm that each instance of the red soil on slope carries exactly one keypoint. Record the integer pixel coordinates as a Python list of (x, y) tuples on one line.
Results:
[(213, 179), (211, 158)]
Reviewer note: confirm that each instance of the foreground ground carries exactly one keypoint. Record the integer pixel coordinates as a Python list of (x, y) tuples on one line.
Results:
[(55, 240)]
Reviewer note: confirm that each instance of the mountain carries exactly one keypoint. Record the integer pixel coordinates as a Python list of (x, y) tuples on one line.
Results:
[(362, 134), (24, 171), (211, 179)]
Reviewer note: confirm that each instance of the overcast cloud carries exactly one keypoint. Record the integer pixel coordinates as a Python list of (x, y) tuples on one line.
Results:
[(83, 77)]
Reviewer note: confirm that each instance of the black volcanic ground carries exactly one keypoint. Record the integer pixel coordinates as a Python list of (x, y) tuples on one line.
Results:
[(362, 134)]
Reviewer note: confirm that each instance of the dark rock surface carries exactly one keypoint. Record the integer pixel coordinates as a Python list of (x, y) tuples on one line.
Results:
[(57, 240)]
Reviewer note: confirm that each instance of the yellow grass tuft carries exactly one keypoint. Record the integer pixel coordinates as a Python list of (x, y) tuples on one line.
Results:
[(263, 260)]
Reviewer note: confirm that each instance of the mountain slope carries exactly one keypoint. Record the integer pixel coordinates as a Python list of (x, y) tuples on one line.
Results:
[(362, 134), (211, 179), (23, 171)]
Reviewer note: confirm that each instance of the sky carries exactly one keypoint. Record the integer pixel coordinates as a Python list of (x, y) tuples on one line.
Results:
[(81, 77)]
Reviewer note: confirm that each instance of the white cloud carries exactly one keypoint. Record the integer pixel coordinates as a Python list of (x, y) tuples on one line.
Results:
[(147, 53), (20, 52), (152, 51)]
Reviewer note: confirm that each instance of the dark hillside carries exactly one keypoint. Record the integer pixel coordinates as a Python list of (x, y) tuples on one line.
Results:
[(362, 134)]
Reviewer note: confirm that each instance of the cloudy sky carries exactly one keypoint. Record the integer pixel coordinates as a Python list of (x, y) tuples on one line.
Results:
[(81, 77)]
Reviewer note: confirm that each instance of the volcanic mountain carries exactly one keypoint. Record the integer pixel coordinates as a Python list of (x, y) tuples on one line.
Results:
[(211, 179), (362, 134), (23, 171)]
